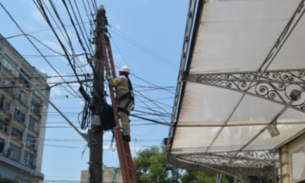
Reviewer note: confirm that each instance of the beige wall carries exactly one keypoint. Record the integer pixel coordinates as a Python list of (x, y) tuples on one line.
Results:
[(286, 152), (107, 175)]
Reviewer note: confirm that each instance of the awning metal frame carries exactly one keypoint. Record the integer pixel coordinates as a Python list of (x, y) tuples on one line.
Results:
[(281, 86)]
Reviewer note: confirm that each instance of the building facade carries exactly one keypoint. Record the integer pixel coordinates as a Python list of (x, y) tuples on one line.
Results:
[(110, 175), (23, 113)]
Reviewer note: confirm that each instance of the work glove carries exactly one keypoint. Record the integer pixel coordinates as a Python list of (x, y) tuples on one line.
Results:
[(108, 76)]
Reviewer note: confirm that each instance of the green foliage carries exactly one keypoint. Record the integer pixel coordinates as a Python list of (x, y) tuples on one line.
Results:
[(151, 166), (197, 177), (203, 177), (7, 180)]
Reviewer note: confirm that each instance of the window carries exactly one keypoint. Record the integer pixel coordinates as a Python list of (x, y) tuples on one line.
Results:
[(31, 140), (5, 105), (28, 159), (297, 165), (2, 142), (35, 106), (17, 132), (22, 79), (8, 66), (3, 124), (19, 115), (36, 93), (21, 97), (15, 152), (32, 122), (5, 81)]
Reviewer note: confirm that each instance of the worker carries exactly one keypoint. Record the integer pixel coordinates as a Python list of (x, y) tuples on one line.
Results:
[(124, 98)]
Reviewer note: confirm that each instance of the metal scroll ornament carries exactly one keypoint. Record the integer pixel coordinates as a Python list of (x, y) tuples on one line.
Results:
[(260, 163), (277, 86)]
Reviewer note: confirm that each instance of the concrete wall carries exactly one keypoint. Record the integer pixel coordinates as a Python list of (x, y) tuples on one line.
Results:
[(12, 169), (16, 61)]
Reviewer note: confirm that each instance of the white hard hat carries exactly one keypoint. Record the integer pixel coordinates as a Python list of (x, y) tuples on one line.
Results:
[(125, 69)]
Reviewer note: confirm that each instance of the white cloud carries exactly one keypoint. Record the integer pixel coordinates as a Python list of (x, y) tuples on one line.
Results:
[(55, 92), (117, 56), (118, 26), (38, 17), (52, 44)]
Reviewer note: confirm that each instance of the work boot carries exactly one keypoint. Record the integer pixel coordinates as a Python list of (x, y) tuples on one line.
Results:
[(126, 138)]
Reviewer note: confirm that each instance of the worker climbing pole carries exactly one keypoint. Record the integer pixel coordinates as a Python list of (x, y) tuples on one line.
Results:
[(104, 59)]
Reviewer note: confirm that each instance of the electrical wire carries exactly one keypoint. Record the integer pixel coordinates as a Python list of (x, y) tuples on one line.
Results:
[(143, 48), (82, 23), (66, 35), (89, 19), (73, 24), (35, 46)]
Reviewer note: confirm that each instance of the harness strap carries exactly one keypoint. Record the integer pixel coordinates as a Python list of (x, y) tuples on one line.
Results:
[(124, 110), (122, 87), (126, 95)]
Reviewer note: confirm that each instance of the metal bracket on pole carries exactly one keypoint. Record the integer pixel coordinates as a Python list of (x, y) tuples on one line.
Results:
[(280, 86)]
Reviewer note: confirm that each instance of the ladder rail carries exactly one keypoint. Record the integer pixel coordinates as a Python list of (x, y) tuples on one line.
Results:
[(126, 164), (125, 144)]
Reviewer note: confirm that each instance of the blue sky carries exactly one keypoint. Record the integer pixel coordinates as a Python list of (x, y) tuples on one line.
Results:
[(143, 32)]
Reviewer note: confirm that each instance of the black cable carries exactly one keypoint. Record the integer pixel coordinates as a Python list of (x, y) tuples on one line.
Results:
[(35, 77), (37, 41), (92, 29), (34, 45), (59, 40), (66, 36), (151, 100), (94, 4), (151, 83), (75, 29), (148, 106), (138, 92), (89, 7), (86, 117), (80, 17), (143, 48)]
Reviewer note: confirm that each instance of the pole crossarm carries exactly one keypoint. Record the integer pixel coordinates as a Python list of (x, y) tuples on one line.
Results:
[(280, 86)]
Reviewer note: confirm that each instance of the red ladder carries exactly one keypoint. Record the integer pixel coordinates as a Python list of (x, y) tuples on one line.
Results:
[(125, 158)]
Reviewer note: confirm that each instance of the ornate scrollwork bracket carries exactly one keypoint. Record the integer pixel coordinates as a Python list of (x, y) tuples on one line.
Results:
[(259, 163), (280, 86)]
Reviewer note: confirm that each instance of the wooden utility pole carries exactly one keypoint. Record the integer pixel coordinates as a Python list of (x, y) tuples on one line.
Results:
[(96, 132), (103, 57)]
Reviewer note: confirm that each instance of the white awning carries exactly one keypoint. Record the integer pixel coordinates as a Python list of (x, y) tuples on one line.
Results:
[(237, 77)]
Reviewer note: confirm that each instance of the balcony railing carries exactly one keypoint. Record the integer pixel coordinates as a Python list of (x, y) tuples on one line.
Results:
[(30, 144), (36, 110), (17, 137), (34, 128), (5, 107)]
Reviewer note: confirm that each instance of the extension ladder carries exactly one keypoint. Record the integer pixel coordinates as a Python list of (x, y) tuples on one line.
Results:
[(124, 153)]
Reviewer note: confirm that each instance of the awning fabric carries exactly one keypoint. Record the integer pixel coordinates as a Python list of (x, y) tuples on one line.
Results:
[(249, 42)]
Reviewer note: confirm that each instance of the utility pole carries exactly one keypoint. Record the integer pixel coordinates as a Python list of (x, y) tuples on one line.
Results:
[(96, 132)]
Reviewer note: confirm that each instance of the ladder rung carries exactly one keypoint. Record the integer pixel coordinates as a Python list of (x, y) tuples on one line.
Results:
[(125, 142), (131, 180), (129, 168), (126, 154)]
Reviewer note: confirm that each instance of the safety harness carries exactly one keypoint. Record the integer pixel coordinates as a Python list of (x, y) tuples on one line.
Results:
[(129, 95)]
